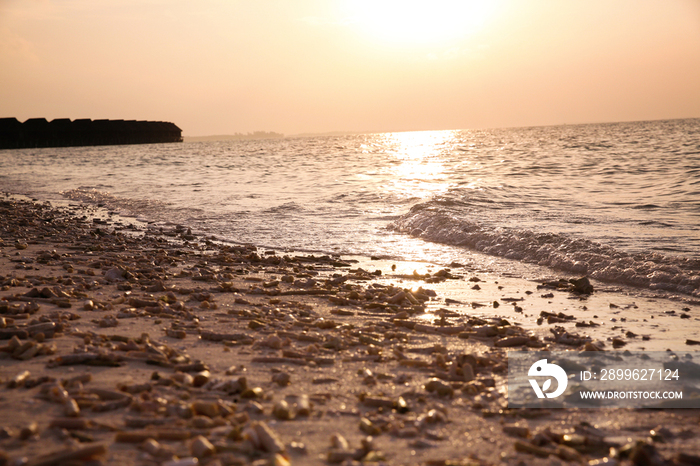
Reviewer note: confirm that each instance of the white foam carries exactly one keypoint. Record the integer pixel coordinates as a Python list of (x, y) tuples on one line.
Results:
[(557, 251)]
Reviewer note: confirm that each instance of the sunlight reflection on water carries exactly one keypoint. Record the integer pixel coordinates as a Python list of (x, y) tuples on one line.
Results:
[(630, 186)]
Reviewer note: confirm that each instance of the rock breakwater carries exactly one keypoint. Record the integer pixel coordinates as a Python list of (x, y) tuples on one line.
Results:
[(62, 132)]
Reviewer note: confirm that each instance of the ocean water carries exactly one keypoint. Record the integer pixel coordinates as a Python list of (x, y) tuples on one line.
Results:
[(618, 202)]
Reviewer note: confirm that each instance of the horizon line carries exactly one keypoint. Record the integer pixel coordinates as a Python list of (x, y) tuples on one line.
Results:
[(345, 133)]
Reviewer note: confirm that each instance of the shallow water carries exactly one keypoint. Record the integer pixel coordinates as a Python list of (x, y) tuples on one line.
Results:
[(619, 202)]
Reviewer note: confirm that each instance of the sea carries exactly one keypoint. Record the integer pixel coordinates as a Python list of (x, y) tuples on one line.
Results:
[(617, 202)]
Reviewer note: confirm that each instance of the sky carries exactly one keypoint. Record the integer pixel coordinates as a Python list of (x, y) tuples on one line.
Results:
[(316, 66)]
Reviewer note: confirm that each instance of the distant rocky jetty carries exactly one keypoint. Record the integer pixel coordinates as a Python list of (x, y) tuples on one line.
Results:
[(62, 132)]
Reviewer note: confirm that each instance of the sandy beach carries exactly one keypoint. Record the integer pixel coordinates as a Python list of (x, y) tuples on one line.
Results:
[(129, 344)]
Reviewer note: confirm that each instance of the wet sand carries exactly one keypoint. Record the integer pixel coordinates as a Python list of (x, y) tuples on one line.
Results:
[(124, 344)]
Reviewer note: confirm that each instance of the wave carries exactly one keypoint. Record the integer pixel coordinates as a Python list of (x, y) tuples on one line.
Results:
[(287, 207), (433, 221), (146, 210), (95, 196)]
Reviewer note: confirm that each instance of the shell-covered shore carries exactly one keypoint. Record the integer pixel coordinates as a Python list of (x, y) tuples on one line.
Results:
[(123, 344)]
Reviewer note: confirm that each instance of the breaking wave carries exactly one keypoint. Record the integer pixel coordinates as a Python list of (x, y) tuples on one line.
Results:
[(438, 223), (105, 199)]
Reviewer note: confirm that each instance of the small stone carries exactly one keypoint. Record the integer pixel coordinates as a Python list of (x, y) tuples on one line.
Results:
[(201, 447), (518, 431), (14, 343), (303, 406), (254, 407), (596, 345), (486, 330), (582, 285), (282, 411), (401, 405), (18, 379), (176, 333), (367, 443), (279, 460), (71, 408), (29, 431), (108, 321), (201, 422), (438, 386), (267, 438), (378, 402), (255, 324), (297, 448), (368, 427), (252, 393), (340, 456), (206, 408), (151, 446), (115, 275), (433, 416), (525, 447), (508, 342), (273, 341), (569, 454), (374, 457), (338, 442), (201, 378), (618, 342), (282, 379)]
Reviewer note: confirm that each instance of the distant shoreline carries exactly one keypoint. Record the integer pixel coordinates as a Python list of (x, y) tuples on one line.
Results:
[(235, 137), (273, 135), (269, 135)]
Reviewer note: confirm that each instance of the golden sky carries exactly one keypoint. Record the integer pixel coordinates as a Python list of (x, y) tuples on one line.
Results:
[(219, 67)]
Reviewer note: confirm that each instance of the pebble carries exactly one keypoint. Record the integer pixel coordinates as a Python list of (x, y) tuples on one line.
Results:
[(281, 410), (114, 275), (264, 438), (512, 341), (29, 431), (368, 427), (71, 408), (206, 408), (201, 378), (518, 431), (302, 406), (338, 442), (282, 379), (438, 386), (151, 447), (201, 447), (532, 449)]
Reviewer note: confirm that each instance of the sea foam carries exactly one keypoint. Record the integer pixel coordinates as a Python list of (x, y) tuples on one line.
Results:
[(652, 270)]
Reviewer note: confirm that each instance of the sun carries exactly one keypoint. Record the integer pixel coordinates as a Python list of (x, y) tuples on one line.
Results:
[(410, 22)]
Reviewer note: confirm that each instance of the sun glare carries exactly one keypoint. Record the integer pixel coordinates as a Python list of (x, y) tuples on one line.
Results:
[(420, 169), (410, 22)]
